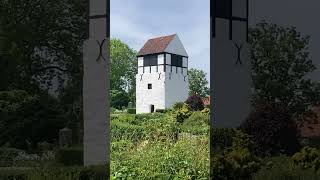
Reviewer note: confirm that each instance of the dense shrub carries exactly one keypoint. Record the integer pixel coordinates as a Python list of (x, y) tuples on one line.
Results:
[(183, 113), (124, 130), (185, 159), (131, 111), (7, 156), (70, 156), (165, 129), (206, 111), (283, 168), (308, 158), (178, 105), (221, 138), (195, 103), (55, 173), (236, 161), (197, 119), (196, 124), (119, 99), (273, 130), (27, 119)]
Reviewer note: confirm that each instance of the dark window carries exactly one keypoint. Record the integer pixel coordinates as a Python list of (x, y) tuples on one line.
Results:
[(223, 8), (150, 60), (176, 60), (149, 86)]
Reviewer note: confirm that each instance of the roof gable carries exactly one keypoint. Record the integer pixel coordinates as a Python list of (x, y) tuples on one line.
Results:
[(156, 45), (170, 44), (176, 47)]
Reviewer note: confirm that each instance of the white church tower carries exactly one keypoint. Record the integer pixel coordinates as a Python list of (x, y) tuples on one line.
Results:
[(162, 78)]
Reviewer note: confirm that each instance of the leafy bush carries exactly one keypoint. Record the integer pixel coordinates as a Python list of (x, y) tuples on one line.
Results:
[(237, 161), (131, 111), (54, 173), (27, 119), (123, 130), (197, 119), (206, 111), (70, 156), (283, 168), (178, 105), (197, 123), (119, 99), (183, 113), (195, 103), (308, 158), (165, 129), (186, 159), (7, 156), (221, 138), (273, 130)]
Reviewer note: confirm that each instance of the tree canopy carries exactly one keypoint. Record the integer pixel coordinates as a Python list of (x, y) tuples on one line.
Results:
[(198, 84), (123, 63), (280, 66)]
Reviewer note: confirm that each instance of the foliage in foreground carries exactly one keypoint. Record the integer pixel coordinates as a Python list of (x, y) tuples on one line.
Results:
[(283, 168), (308, 158), (273, 130), (160, 148), (56, 173), (237, 161), (28, 119), (195, 102)]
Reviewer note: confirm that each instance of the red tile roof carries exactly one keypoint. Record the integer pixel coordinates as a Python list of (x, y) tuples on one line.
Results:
[(311, 128), (206, 101), (156, 45)]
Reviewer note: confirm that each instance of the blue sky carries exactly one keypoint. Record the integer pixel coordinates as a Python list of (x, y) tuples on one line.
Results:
[(136, 21)]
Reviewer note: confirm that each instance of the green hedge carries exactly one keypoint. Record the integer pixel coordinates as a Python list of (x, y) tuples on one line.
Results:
[(56, 173), (221, 138), (7, 156), (70, 156), (131, 111), (124, 130)]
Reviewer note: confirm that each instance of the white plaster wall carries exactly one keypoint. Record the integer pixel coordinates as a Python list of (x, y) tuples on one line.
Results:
[(176, 47), (154, 69), (176, 89), (161, 59), (145, 96), (168, 59), (185, 62), (140, 61), (231, 82)]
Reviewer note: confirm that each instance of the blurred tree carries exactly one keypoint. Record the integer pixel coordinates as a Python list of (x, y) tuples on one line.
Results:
[(40, 51), (198, 84), (280, 66), (123, 67), (119, 99)]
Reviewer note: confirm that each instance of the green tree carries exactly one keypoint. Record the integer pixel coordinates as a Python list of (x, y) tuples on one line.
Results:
[(119, 99), (123, 67), (41, 42), (280, 65), (27, 119), (198, 84)]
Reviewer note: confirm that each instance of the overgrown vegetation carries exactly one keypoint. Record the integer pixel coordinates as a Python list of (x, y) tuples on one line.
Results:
[(156, 146)]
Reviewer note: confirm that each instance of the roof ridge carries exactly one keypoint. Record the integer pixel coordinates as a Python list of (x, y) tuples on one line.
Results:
[(156, 45), (162, 36)]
